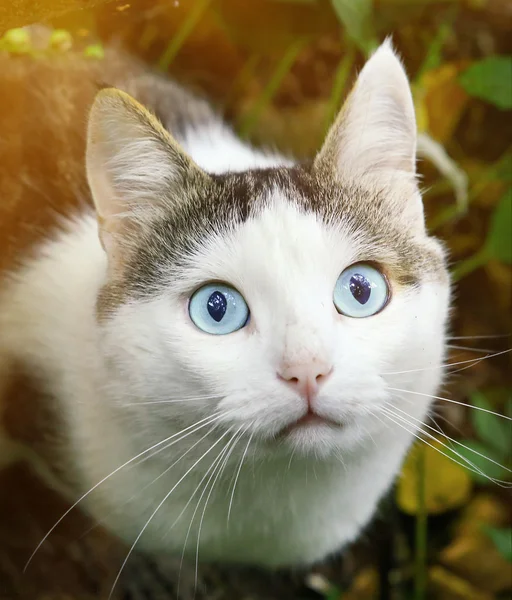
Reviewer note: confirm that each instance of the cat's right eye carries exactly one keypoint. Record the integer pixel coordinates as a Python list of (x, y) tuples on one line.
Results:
[(218, 309), (361, 291)]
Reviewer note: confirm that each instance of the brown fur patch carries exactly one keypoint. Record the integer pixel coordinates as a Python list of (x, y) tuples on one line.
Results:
[(44, 105)]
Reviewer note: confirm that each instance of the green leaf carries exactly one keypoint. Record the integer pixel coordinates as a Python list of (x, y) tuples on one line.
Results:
[(475, 453), (355, 15), (499, 238), (491, 429), (334, 594), (490, 79), (502, 539)]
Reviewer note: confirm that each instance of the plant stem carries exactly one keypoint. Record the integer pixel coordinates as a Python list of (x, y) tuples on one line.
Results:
[(182, 34), (421, 528), (340, 81), (283, 67), (470, 264)]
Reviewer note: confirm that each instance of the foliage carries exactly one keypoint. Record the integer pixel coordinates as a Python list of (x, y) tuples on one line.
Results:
[(491, 80), (499, 239), (490, 452), (502, 539), (447, 484), (356, 15)]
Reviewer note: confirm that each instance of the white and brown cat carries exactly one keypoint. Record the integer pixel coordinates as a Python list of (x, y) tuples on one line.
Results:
[(213, 332)]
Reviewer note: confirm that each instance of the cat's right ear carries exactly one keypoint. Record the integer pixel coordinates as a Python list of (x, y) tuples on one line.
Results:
[(374, 135), (135, 170)]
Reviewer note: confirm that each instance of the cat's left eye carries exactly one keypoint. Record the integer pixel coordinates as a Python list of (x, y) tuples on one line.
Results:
[(361, 291), (218, 309)]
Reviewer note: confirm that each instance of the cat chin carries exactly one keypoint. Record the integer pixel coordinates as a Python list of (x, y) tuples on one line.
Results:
[(321, 439)]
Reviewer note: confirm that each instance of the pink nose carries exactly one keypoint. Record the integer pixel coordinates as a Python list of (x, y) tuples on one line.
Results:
[(307, 378)]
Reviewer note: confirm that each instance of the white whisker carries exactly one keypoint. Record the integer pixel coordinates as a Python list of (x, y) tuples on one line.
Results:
[(173, 401), (479, 337), (468, 348), (219, 472), (137, 494), (467, 464), (491, 412), (211, 470), (157, 509), (447, 365), (395, 408), (238, 475), (204, 423)]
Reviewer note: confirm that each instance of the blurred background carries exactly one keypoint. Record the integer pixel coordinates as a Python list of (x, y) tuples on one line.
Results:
[(279, 70)]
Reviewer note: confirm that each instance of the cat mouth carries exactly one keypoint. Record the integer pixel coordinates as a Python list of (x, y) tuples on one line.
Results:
[(310, 419)]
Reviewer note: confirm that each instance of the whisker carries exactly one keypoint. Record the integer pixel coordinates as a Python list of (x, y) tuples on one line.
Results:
[(216, 416), (173, 401), (491, 412), (202, 421), (211, 469), (214, 463), (291, 457), (468, 348), (447, 365), (219, 472), (158, 508), (185, 453), (450, 373), (238, 475), (479, 337), (137, 494), (468, 464), (395, 408)]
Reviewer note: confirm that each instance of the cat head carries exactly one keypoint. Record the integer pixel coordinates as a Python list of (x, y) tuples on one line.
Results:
[(284, 302)]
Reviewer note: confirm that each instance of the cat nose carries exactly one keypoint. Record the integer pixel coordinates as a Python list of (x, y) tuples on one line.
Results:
[(306, 378)]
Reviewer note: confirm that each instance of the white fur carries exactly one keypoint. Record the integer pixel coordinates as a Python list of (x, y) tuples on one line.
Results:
[(296, 500), (285, 510), (230, 154)]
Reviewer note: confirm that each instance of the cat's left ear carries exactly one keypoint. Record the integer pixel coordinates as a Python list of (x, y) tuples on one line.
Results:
[(374, 136), (136, 171)]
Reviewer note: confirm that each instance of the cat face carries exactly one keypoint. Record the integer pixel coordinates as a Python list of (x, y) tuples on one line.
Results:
[(282, 303), (278, 273)]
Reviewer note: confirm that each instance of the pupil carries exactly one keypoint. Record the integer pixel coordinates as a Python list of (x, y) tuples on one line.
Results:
[(217, 306), (360, 288)]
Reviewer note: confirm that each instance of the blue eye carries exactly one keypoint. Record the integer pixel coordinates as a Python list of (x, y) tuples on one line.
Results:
[(218, 309), (361, 291)]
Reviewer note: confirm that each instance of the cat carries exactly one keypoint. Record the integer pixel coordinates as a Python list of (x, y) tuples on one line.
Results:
[(215, 333)]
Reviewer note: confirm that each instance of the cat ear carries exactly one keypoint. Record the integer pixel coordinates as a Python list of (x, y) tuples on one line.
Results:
[(375, 132), (134, 168)]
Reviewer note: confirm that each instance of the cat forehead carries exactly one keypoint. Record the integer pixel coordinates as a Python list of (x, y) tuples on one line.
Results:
[(280, 242), (279, 222)]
